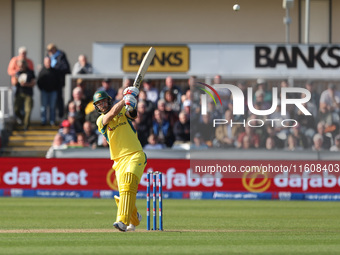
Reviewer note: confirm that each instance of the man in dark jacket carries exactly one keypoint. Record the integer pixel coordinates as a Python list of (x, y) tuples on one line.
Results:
[(48, 83), (60, 63)]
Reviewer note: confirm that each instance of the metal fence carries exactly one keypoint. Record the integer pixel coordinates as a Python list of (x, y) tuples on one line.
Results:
[(6, 103)]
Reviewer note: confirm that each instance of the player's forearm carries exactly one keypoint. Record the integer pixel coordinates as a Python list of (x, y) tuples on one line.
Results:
[(113, 112)]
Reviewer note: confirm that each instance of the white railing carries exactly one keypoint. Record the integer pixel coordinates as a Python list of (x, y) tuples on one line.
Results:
[(6, 102)]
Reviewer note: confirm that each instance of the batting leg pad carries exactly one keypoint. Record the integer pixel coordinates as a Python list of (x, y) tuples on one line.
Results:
[(127, 191), (134, 218)]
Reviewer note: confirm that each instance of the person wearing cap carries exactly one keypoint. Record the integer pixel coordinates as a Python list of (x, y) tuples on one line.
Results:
[(82, 66), (60, 63), (115, 123), (106, 86), (13, 67), (67, 133)]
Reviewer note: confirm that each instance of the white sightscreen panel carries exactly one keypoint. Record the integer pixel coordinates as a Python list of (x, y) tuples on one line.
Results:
[(319, 21), (28, 32)]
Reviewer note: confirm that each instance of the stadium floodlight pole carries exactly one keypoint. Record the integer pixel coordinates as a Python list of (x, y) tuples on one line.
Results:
[(307, 21), (287, 4)]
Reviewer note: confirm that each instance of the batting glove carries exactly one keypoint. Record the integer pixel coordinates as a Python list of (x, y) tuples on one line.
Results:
[(130, 102), (131, 91)]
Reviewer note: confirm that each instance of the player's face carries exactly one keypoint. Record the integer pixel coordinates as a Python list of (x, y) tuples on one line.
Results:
[(102, 105)]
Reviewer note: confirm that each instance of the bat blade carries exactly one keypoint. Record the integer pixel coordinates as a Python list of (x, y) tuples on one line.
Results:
[(144, 67)]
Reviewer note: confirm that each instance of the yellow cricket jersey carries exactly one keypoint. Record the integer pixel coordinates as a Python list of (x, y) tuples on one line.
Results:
[(120, 135)]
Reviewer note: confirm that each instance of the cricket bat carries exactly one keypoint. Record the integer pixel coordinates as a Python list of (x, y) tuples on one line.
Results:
[(144, 67)]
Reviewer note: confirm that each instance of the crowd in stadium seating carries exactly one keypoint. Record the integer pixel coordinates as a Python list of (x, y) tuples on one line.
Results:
[(164, 116), (318, 131), (164, 119)]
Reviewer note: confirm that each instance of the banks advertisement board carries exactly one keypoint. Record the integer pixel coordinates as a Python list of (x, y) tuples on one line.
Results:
[(97, 176)]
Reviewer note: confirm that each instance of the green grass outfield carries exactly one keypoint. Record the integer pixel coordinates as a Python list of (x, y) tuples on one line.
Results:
[(84, 226)]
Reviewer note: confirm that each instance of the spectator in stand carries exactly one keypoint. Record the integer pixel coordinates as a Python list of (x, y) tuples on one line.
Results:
[(198, 143), (58, 144), (224, 134), (186, 108), (169, 115), (60, 63), (262, 85), (330, 98), (119, 95), (106, 86), (151, 92), (315, 96), (224, 95), (255, 120), (144, 123), (90, 135), (254, 139), (102, 142), (77, 105), (259, 100), (91, 115), (301, 139), (126, 83), (292, 144), (270, 143), (336, 146), (82, 66), (186, 96), (191, 84), (281, 132), (245, 143), (24, 83), (325, 115), (326, 137), (182, 129), (317, 143), (148, 104), (86, 94), (153, 143), (13, 67), (171, 104), (76, 125), (80, 143), (330, 109), (48, 84), (66, 132), (206, 130), (217, 79), (307, 122), (162, 129), (270, 132), (290, 107), (169, 85)]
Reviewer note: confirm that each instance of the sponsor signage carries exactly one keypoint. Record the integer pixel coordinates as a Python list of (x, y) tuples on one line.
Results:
[(229, 60), (53, 177), (167, 58)]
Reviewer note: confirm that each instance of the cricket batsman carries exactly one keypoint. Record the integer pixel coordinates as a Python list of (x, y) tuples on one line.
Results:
[(125, 150)]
